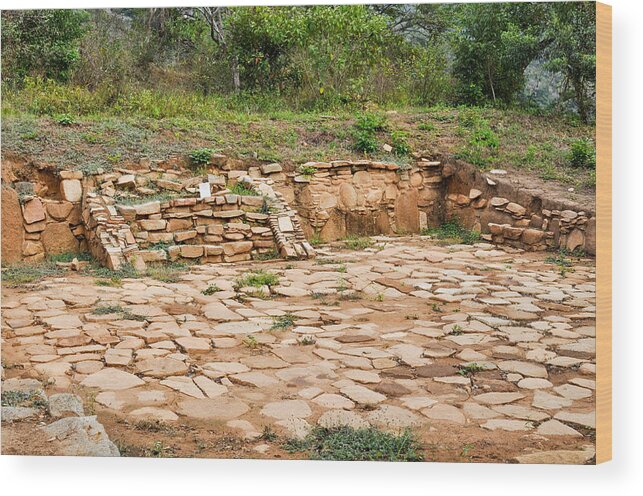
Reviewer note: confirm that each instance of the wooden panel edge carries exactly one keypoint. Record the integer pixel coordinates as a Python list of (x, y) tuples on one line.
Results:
[(603, 232)]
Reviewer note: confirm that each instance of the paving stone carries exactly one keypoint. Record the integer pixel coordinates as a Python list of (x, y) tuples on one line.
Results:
[(393, 417), (327, 400), (507, 425), (497, 398), (154, 413), (112, 379), (444, 413), (286, 409), (569, 457), (184, 385), (212, 409), (339, 418), (65, 403), (161, 367), (256, 379), (362, 395), (556, 428)]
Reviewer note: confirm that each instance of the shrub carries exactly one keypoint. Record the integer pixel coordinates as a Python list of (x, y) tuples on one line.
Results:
[(243, 189), (348, 444), (370, 122), (453, 231), (257, 279), (307, 170), (399, 143), (201, 156), (65, 120), (210, 290), (365, 141), (582, 154), (357, 243)]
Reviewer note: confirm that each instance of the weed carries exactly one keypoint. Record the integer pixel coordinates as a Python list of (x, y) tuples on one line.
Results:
[(251, 342), (23, 398), (379, 296), (258, 279), (159, 450), (400, 143), (454, 232), (268, 434), (128, 315), (341, 268), (307, 170), (365, 142), (243, 189), (470, 369), (107, 309), (346, 443), (582, 154), (65, 120), (357, 242), (111, 283), (436, 308), (456, 330), (315, 240), (306, 341), (268, 255), (201, 156), (283, 322), (167, 272), (154, 426), (210, 290)]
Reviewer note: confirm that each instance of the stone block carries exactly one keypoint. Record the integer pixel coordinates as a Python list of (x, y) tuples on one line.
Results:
[(148, 208), (33, 211), (152, 224), (71, 190), (191, 251), (235, 248)]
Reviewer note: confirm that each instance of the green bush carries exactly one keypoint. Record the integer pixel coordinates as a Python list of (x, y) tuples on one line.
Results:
[(365, 141), (582, 154), (202, 156), (348, 444), (370, 122), (453, 232), (400, 144), (65, 120)]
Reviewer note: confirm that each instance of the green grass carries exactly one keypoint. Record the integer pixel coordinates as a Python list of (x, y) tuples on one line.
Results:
[(268, 255), (257, 279), (107, 309), (357, 242), (23, 398), (470, 369), (348, 444), (210, 290), (243, 189), (283, 322), (453, 232)]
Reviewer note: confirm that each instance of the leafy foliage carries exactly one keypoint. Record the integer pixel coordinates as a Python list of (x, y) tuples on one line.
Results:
[(582, 154), (454, 232), (348, 444)]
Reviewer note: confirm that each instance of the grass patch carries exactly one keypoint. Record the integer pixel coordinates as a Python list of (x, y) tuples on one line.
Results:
[(257, 279), (283, 322), (269, 255), (348, 444), (358, 242), (23, 398), (107, 309), (210, 290), (243, 189), (453, 232), (470, 369)]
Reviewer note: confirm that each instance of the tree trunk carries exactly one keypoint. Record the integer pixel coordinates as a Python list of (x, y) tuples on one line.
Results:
[(234, 69)]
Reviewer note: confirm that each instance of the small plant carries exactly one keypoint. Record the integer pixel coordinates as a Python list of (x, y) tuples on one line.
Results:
[(436, 308), (341, 269), (364, 129), (243, 189), (379, 296), (283, 322), (107, 309), (456, 330), (65, 120), (370, 122), (348, 444), (357, 242), (110, 283), (453, 231), (159, 450), (268, 255), (128, 315), (268, 434), (251, 342), (315, 240), (412, 316), (306, 341), (257, 279), (201, 156), (582, 154), (307, 170), (426, 126), (470, 369), (365, 141), (210, 290), (400, 143)]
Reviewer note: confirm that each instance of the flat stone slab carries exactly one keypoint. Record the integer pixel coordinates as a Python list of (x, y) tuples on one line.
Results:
[(212, 409), (256, 379), (80, 436), (112, 379), (161, 367), (362, 395), (286, 409), (498, 398), (340, 418), (393, 417)]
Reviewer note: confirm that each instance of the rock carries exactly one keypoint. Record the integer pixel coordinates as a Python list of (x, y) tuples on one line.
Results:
[(30, 248), (80, 436), (112, 379), (237, 247), (219, 312), (152, 224), (256, 379), (60, 404), (523, 368), (161, 367), (71, 190), (534, 383), (33, 211), (583, 419), (340, 418), (59, 210), (184, 385), (298, 428), (362, 395), (209, 387), (57, 238), (444, 412), (12, 230), (148, 208), (17, 413), (498, 398), (474, 194), (516, 210), (498, 202), (286, 409), (570, 457), (212, 409), (393, 417), (334, 401), (507, 425), (271, 168), (556, 428), (154, 413)]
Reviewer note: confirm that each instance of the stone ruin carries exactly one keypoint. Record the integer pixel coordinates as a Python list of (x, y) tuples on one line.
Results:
[(108, 214)]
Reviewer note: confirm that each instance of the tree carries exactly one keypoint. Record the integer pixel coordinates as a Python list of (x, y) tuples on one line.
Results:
[(493, 44), (572, 51), (41, 42)]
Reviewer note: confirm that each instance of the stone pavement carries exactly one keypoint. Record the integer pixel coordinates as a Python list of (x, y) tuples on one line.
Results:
[(404, 334)]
